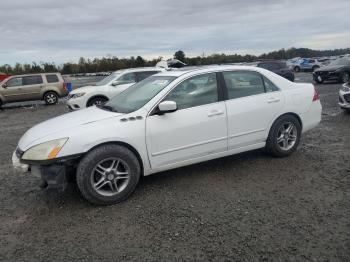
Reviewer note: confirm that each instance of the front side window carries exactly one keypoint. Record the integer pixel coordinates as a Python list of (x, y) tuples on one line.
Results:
[(127, 78), (195, 91), (108, 79), (32, 80), (138, 95), (16, 81), (244, 83)]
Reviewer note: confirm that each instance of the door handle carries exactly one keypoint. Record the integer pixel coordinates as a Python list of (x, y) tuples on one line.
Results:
[(215, 113), (273, 100)]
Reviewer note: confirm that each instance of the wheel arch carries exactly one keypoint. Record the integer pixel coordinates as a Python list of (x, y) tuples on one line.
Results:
[(95, 96), (285, 114), (124, 144)]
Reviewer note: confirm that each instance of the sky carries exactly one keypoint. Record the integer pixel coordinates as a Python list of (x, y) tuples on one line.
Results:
[(62, 31)]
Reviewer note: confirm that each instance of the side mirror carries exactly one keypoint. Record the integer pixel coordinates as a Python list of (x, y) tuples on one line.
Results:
[(115, 83), (167, 107), (4, 85)]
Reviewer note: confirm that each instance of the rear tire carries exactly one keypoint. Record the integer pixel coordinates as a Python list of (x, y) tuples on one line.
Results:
[(108, 174), (95, 101), (284, 136), (297, 69), (51, 98)]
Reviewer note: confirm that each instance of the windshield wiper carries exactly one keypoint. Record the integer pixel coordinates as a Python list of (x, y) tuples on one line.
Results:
[(108, 108)]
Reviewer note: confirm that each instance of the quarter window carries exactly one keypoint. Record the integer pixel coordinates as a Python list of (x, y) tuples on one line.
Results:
[(16, 81), (196, 91), (32, 80), (52, 78), (242, 84), (269, 86)]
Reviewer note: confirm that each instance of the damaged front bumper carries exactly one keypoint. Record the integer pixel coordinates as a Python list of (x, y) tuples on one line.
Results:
[(53, 174)]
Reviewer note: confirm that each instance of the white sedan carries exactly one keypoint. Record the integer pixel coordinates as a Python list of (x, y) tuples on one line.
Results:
[(169, 120), (108, 87)]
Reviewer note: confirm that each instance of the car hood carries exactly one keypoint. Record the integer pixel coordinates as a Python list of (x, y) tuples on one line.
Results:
[(329, 68), (88, 89), (61, 123)]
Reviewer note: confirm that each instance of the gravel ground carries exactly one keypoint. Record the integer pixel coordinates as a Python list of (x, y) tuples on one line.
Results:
[(247, 207)]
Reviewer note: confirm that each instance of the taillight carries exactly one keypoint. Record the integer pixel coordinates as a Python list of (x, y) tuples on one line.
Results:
[(65, 86), (316, 96)]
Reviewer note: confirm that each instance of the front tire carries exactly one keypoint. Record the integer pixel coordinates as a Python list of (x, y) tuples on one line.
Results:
[(96, 101), (51, 98), (108, 174), (284, 136)]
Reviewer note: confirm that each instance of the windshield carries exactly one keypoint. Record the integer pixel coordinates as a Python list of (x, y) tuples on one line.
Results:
[(108, 79), (138, 95), (341, 61)]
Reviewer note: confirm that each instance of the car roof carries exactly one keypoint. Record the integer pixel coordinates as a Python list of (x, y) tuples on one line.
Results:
[(207, 69), (140, 69), (35, 74)]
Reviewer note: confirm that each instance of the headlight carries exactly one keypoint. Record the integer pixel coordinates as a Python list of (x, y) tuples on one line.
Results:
[(45, 151), (346, 88), (76, 95)]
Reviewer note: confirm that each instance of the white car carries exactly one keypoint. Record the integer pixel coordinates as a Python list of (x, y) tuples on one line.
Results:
[(344, 97), (169, 120), (108, 87)]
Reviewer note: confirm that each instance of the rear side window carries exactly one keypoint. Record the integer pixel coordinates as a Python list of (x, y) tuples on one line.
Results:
[(52, 78), (196, 91), (244, 83), (32, 80), (269, 86), (144, 75), (15, 81)]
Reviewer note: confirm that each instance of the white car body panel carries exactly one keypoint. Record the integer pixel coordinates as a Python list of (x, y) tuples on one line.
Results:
[(186, 136), (179, 136)]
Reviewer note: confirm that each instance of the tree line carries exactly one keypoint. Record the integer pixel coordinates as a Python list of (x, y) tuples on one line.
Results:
[(112, 63)]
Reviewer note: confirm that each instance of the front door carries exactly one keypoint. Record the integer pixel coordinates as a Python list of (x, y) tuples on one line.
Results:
[(12, 89), (197, 129)]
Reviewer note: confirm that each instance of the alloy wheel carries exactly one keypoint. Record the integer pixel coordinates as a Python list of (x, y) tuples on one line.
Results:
[(287, 136), (51, 98), (110, 176)]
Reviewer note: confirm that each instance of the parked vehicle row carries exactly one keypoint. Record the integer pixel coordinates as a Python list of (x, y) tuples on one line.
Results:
[(170, 119)]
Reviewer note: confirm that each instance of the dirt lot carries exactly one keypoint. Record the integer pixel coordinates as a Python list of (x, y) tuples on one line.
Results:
[(248, 207)]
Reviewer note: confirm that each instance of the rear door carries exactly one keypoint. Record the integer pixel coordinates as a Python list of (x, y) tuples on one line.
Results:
[(253, 102), (32, 86)]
